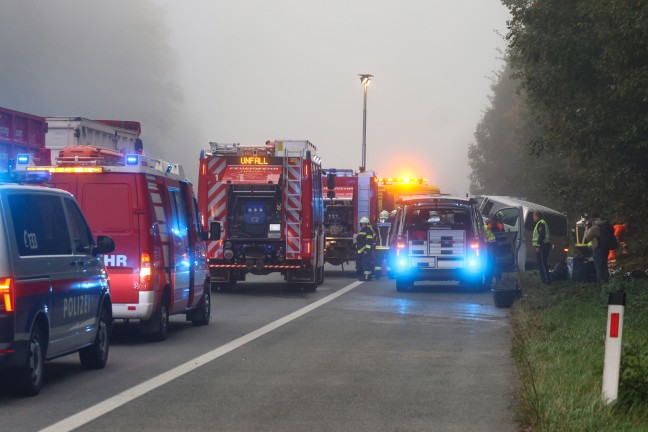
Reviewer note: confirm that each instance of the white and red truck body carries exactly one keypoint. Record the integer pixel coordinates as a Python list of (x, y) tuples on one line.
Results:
[(267, 204)]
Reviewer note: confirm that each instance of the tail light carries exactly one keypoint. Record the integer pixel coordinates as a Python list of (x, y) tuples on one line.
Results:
[(145, 268), (7, 294), (475, 247), (400, 245), (306, 250)]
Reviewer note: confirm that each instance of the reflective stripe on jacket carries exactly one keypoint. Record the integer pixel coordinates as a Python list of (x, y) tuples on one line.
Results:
[(536, 235), (365, 239)]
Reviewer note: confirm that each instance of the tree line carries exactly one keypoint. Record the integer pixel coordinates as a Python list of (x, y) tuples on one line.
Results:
[(567, 125)]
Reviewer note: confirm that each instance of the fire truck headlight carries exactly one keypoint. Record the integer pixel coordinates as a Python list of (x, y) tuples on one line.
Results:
[(228, 254)]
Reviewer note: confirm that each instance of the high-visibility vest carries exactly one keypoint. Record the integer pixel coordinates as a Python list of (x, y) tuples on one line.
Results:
[(535, 233), (490, 237)]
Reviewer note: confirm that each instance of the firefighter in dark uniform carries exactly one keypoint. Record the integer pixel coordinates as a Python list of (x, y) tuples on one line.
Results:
[(382, 243), (365, 243)]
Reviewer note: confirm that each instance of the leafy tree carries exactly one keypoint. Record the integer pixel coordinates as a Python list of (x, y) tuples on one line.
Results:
[(583, 67)]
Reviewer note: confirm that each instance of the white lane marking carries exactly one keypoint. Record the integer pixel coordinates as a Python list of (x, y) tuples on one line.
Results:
[(126, 396)]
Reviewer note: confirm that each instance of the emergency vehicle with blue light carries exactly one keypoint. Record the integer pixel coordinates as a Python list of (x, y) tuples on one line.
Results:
[(263, 206), (149, 208), (54, 290), (439, 238)]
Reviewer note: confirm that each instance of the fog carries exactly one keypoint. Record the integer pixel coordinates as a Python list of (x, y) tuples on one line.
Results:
[(246, 71), (95, 59)]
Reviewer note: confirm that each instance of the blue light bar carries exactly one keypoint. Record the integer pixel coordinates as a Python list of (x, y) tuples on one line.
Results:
[(22, 159), (132, 159)]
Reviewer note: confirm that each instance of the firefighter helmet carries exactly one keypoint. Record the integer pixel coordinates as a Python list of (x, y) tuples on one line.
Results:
[(364, 220), (384, 214), (393, 213)]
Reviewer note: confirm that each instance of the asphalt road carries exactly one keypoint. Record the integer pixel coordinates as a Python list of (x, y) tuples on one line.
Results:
[(373, 359)]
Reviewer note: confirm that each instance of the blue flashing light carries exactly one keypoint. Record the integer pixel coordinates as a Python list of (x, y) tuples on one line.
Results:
[(22, 159), (132, 159)]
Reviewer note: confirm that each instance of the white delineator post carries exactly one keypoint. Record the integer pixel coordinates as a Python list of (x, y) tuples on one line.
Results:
[(613, 337)]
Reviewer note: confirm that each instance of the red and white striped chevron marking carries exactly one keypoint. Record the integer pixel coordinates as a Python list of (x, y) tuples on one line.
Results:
[(216, 202), (293, 209)]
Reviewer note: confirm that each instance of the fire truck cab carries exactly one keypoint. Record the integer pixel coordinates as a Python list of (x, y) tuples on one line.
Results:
[(148, 207), (263, 207)]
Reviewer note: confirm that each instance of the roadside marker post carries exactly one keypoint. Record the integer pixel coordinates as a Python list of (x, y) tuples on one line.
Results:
[(613, 338)]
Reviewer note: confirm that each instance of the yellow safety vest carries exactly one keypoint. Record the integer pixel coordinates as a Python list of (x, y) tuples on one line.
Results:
[(536, 235), (490, 237)]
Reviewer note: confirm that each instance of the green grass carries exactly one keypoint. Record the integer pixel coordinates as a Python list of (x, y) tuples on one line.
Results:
[(558, 345)]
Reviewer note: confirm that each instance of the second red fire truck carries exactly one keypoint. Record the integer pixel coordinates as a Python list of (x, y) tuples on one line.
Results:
[(263, 206)]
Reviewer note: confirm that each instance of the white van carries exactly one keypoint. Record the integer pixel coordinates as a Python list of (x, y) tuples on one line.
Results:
[(514, 244), (54, 293)]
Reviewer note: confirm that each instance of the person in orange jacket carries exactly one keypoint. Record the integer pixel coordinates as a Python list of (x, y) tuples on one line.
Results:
[(620, 231)]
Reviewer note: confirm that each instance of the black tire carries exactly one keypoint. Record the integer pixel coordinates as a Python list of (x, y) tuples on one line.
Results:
[(320, 275), (96, 355), (161, 317), (403, 284), (28, 379), (202, 314)]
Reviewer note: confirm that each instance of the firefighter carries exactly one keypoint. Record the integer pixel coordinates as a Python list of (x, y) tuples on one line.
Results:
[(542, 246), (382, 243), (365, 242)]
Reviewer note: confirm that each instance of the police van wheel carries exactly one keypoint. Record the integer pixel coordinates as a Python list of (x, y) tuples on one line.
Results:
[(96, 355), (202, 314), (28, 379), (403, 284)]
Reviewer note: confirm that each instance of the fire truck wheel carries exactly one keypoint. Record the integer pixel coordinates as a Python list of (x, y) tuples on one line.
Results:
[(27, 380), (403, 284), (202, 314), (96, 355)]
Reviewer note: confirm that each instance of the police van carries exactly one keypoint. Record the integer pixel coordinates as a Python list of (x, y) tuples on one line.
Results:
[(148, 207), (438, 238), (54, 292)]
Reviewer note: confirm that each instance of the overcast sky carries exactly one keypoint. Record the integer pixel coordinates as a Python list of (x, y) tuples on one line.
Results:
[(252, 70)]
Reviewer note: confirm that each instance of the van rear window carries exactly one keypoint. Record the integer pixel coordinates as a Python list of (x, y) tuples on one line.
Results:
[(437, 217), (108, 207), (39, 225)]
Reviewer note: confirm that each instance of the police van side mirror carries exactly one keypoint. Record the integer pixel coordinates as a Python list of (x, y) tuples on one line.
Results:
[(105, 244), (214, 231)]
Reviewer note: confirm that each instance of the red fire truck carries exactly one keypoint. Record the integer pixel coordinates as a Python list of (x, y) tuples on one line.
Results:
[(355, 196), (148, 207), (263, 207)]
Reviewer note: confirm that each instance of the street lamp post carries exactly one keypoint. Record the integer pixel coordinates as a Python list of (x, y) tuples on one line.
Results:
[(365, 79)]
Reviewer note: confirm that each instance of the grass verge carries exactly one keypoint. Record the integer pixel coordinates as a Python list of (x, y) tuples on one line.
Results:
[(558, 346)]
